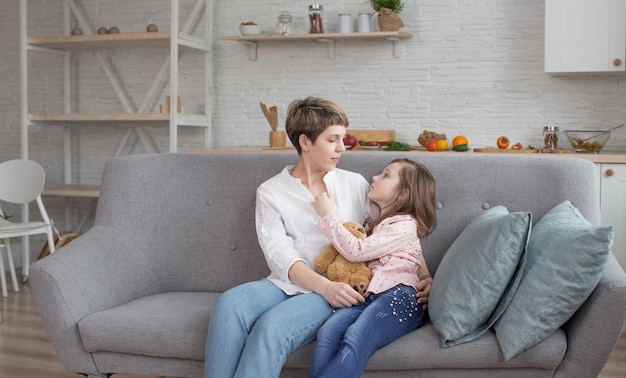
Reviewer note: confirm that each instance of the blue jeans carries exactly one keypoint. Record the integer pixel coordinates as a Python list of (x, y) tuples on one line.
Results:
[(255, 326), (351, 336)]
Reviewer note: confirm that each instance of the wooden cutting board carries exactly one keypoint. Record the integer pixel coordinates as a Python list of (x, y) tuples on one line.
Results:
[(507, 150), (373, 135), (555, 151)]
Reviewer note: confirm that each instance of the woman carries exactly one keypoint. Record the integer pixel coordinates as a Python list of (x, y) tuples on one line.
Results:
[(256, 325)]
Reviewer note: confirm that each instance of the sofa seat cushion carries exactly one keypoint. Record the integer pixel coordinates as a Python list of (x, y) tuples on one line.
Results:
[(422, 349), (162, 325)]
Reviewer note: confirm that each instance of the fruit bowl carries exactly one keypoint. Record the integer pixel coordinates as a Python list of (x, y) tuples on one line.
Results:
[(249, 28), (426, 136), (590, 141)]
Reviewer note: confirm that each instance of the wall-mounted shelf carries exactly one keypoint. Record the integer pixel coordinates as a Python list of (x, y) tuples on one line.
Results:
[(328, 38)]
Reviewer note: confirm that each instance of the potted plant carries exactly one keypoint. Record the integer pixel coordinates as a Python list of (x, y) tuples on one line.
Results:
[(388, 19)]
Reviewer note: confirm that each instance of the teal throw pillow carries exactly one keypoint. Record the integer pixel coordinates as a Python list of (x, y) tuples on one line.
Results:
[(478, 275), (566, 257)]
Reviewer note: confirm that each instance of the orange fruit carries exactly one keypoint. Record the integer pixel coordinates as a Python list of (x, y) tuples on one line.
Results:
[(442, 145), (503, 142), (459, 140)]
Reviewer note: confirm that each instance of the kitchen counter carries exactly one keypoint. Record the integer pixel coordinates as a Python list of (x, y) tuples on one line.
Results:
[(617, 157)]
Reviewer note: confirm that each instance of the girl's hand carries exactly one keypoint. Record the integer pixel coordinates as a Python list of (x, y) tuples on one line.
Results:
[(423, 290), (323, 204), (339, 294)]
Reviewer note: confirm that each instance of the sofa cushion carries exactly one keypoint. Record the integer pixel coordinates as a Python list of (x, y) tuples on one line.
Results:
[(162, 325), (566, 256), (478, 275), (422, 350)]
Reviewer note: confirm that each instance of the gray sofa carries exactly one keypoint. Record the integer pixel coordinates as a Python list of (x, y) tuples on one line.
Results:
[(172, 231)]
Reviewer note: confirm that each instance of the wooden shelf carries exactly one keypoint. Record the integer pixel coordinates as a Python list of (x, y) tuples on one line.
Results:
[(69, 190), (328, 38), (116, 41), (102, 41), (183, 119), (314, 36)]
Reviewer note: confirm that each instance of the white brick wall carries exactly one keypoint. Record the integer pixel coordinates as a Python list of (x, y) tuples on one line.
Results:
[(472, 68)]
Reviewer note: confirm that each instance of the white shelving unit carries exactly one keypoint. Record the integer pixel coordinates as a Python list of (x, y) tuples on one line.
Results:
[(178, 41)]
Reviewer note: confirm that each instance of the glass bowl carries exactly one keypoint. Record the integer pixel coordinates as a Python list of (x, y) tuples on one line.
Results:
[(590, 141)]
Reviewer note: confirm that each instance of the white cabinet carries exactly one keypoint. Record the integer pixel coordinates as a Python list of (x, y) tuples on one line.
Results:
[(585, 36), (613, 205)]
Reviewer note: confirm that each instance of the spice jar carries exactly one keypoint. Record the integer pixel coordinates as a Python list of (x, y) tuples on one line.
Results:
[(315, 18), (550, 137), (284, 23)]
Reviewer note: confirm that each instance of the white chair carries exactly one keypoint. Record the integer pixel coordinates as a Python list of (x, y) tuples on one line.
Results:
[(21, 182)]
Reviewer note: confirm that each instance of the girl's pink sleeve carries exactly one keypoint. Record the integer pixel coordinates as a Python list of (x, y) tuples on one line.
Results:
[(389, 236)]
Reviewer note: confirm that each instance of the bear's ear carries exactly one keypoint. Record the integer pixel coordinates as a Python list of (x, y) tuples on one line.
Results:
[(355, 228)]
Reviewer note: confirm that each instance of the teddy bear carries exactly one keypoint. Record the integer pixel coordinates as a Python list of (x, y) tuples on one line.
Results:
[(337, 268)]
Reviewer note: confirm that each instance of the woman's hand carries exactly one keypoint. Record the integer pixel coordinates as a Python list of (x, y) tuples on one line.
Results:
[(423, 290), (339, 294), (323, 204)]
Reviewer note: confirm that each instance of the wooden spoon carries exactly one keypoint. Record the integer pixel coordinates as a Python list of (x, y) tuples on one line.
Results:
[(266, 113), (274, 117)]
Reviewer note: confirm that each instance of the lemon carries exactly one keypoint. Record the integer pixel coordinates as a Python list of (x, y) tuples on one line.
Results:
[(442, 145)]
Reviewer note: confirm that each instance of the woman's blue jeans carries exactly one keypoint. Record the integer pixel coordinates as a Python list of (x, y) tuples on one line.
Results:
[(351, 335), (255, 326)]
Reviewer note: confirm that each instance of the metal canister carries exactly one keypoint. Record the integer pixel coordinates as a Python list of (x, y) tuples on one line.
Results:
[(345, 23)]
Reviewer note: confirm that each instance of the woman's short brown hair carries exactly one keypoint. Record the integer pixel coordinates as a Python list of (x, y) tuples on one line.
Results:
[(311, 117)]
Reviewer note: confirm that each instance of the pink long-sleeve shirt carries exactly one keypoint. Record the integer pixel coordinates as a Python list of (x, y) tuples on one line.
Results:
[(392, 251)]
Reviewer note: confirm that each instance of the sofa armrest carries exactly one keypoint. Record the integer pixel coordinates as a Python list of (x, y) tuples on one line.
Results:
[(98, 270), (594, 329)]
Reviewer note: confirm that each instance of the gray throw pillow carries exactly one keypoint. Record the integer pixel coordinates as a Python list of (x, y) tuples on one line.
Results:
[(478, 275), (566, 257)]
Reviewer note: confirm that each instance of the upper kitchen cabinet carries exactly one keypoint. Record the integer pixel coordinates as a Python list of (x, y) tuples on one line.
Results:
[(585, 36)]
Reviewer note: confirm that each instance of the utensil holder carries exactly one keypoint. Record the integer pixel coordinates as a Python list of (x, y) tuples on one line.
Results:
[(278, 138)]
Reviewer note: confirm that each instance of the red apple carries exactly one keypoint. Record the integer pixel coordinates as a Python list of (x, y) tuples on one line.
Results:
[(350, 141), (431, 145)]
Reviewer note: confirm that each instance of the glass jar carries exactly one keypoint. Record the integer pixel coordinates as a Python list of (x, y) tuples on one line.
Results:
[(316, 12), (551, 137), (284, 23)]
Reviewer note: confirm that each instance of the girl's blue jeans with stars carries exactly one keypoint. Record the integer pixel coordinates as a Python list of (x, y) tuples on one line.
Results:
[(352, 334)]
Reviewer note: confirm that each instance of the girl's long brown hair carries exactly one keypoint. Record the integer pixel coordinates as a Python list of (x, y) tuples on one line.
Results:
[(421, 203)]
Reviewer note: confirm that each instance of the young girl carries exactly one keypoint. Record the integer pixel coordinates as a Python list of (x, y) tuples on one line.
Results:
[(406, 193)]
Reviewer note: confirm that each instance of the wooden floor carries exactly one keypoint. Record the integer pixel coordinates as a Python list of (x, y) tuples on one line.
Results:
[(26, 352)]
